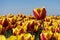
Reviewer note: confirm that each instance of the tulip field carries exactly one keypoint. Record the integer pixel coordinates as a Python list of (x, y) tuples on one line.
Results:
[(24, 27)]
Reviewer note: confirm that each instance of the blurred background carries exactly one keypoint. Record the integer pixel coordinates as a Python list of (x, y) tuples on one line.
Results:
[(26, 6)]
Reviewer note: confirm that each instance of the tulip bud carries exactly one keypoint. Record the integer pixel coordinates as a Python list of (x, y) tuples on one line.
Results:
[(39, 13)]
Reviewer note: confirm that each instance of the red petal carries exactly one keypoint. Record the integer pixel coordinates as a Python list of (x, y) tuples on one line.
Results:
[(43, 13), (36, 15), (43, 37)]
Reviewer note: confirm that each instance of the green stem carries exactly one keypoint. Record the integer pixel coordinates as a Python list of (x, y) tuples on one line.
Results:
[(37, 35)]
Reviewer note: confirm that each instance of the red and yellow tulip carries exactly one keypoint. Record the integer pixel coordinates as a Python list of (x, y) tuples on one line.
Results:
[(39, 13)]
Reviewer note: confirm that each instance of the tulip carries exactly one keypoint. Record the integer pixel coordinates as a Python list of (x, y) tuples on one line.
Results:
[(39, 13), (5, 23), (43, 36)]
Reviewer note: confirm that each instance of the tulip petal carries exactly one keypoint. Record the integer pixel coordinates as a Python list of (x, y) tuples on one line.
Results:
[(43, 37), (36, 14)]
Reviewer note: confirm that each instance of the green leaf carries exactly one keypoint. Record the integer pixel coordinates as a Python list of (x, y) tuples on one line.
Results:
[(8, 33)]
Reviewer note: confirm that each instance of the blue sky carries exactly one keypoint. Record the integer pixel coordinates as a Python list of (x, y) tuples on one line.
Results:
[(27, 6)]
